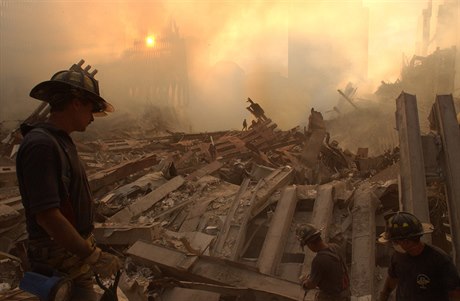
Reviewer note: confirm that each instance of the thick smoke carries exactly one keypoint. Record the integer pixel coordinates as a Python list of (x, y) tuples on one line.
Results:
[(288, 56)]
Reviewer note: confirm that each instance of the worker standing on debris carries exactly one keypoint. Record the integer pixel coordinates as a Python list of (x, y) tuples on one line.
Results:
[(418, 270), (54, 186), (245, 125), (328, 272)]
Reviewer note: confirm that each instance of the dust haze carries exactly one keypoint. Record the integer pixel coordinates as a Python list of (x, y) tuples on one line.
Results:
[(289, 56)]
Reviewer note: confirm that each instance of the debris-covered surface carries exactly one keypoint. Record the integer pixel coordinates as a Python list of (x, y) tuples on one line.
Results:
[(211, 216)]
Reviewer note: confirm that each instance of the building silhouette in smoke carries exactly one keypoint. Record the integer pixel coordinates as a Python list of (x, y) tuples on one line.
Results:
[(153, 79)]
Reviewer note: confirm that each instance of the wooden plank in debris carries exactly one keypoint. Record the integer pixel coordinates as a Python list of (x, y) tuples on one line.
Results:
[(17, 295), (213, 270), (112, 234), (230, 146), (447, 125), (240, 293), (206, 170), (121, 171), (119, 144), (412, 168), (363, 241), (146, 202), (273, 247), (195, 242), (187, 294)]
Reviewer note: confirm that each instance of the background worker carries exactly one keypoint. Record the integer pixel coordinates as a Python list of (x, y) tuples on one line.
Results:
[(419, 271), (53, 183), (328, 269)]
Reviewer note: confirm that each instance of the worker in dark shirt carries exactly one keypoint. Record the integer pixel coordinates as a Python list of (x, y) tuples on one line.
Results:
[(54, 187), (419, 271), (328, 269)]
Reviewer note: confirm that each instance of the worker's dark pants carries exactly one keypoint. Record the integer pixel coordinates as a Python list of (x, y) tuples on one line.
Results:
[(46, 252)]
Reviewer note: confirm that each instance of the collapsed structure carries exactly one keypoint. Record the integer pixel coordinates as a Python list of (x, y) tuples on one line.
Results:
[(220, 224)]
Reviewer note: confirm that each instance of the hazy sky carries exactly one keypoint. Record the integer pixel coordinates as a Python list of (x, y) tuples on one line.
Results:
[(38, 38)]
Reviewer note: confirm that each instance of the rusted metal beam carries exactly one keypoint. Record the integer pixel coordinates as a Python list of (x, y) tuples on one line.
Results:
[(412, 167), (447, 126)]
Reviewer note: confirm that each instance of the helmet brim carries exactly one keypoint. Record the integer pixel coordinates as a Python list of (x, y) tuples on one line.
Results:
[(44, 91), (426, 229)]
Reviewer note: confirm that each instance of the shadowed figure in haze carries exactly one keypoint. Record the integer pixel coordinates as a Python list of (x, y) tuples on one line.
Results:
[(245, 125), (328, 272), (418, 271), (54, 187)]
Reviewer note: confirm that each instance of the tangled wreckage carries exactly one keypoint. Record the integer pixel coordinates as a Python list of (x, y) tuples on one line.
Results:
[(211, 216)]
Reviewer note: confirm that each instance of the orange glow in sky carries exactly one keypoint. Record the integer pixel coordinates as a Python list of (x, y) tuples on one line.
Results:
[(150, 41)]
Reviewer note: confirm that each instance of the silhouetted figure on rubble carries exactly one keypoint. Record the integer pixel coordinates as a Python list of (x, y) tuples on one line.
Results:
[(212, 151), (256, 110), (253, 124), (245, 125)]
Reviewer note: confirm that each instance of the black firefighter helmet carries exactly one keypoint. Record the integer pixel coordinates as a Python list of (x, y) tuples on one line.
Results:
[(74, 78), (404, 225), (306, 233)]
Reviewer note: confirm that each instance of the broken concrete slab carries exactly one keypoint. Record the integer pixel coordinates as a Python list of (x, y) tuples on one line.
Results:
[(146, 202), (272, 250), (212, 270), (121, 171), (113, 234)]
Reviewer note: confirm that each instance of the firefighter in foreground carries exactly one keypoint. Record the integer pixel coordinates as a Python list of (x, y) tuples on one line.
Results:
[(328, 269), (54, 186), (419, 271)]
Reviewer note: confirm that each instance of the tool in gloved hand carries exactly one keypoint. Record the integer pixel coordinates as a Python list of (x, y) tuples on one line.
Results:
[(110, 292)]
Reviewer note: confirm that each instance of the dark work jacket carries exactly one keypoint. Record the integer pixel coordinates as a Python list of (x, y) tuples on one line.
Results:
[(426, 277), (39, 172)]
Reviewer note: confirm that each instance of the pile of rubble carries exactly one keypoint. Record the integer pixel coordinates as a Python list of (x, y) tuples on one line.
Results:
[(211, 216)]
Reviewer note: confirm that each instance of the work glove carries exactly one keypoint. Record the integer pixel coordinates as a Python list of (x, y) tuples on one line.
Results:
[(303, 279), (103, 263)]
